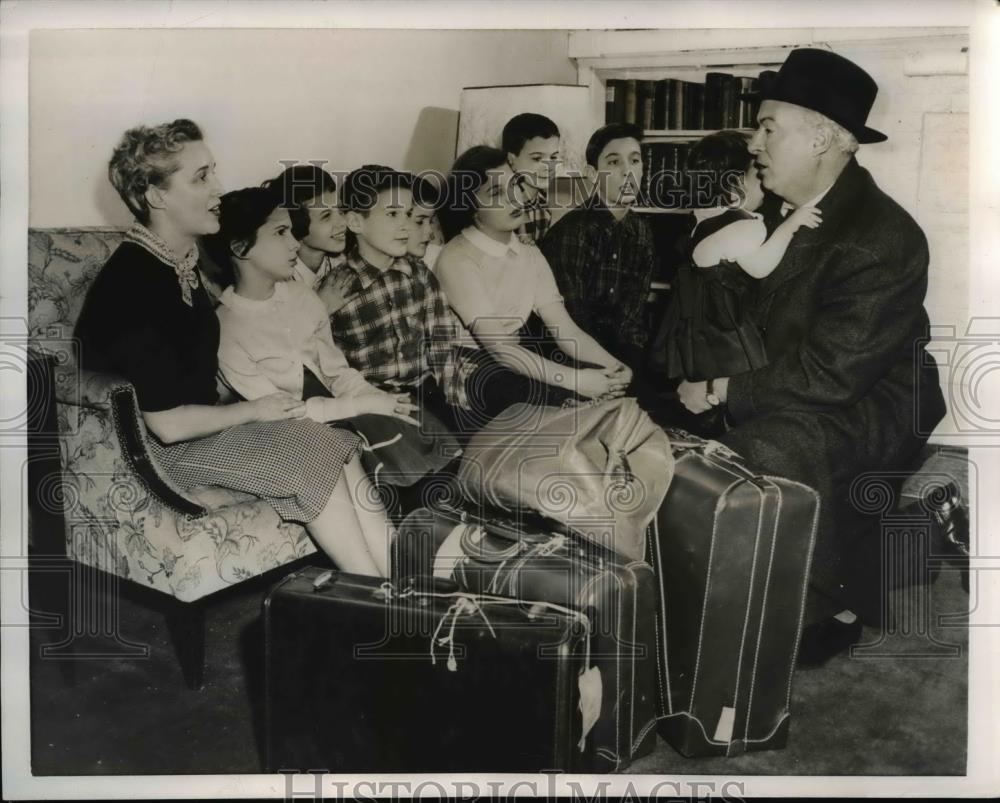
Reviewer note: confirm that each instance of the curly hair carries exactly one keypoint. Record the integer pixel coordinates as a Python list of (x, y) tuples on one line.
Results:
[(144, 158)]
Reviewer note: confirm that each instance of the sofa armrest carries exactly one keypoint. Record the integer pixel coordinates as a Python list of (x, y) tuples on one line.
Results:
[(84, 388), (114, 395), (132, 436)]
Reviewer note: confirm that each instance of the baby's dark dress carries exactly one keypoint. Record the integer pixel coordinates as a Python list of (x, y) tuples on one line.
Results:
[(710, 335)]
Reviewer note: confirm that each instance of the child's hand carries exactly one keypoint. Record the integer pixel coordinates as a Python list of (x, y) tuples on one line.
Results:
[(620, 375), (277, 407), (808, 216), (334, 291), (395, 405)]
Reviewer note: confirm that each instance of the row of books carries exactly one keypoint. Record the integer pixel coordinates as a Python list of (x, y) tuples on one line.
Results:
[(672, 104), (663, 180)]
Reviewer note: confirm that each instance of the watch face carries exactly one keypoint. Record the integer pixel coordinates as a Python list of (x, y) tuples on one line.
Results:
[(712, 399)]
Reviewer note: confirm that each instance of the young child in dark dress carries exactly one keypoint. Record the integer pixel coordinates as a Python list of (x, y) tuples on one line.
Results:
[(728, 248)]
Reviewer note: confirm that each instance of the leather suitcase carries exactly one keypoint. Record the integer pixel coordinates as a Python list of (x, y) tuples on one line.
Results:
[(526, 559), (365, 676), (731, 554)]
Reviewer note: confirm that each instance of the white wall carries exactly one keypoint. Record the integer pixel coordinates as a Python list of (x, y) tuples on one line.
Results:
[(348, 96)]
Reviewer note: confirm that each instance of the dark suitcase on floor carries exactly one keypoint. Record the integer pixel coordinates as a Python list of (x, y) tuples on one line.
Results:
[(365, 676), (731, 554), (525, 559)]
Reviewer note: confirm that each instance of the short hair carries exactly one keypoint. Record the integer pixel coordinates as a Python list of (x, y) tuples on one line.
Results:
[(297, 186), (845, 141), (426, 192), (522, 127), (467, 175), (241, 214), (361, 187), (717, 157), (602, 136), (144, 157)]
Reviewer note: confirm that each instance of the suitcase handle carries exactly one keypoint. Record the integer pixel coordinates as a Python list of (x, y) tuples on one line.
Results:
[(427, 584), (504, 526)]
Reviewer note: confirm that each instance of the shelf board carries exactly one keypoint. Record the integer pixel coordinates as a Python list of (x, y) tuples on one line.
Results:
[(657, 210), (688, 133)]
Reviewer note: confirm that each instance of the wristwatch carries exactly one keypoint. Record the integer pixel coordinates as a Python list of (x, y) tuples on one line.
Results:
[(710, 396)]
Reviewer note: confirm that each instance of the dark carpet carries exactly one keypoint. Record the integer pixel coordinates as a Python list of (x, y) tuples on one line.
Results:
[(896, 707)]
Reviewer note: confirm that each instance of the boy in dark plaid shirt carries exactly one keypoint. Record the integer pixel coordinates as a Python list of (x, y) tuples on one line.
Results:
[(602, 253), (388, 313), (531, 142)]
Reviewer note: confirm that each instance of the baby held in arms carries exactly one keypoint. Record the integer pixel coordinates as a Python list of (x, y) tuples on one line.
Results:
[(728, 227)]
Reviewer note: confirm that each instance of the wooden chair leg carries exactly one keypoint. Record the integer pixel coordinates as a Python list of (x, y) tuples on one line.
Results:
[(186, 624)]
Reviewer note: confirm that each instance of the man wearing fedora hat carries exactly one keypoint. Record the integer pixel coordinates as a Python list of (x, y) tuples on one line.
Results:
[(848, 387)]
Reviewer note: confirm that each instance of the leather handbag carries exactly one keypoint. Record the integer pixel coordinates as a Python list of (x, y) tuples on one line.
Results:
[(602, 469)]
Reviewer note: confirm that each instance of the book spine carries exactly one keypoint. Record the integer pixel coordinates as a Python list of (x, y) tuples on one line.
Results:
[(631, 102), (676, 120), (730, 112), (714, 82), (748, 108), (698, 107), (610, 89), (647, 96), (648, 155), (661, 103)]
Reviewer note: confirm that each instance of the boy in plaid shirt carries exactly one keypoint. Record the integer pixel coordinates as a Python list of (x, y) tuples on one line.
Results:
[(602, 253), (531, 142), (388, 313)]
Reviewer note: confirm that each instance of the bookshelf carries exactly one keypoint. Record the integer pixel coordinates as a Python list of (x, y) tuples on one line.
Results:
[(675, 107), (680, 135)]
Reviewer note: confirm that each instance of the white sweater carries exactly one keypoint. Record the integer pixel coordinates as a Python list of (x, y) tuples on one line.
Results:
[(264, 345)]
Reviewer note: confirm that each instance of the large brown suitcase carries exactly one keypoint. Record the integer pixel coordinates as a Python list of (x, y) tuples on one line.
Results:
[(731, 554), (525, 559), (367, 676)]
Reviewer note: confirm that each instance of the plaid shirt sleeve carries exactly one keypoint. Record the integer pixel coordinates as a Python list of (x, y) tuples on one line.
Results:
[(638, 275), (569, 254)]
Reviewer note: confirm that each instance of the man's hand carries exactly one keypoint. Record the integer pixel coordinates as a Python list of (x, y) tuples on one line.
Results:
[(692, 396)]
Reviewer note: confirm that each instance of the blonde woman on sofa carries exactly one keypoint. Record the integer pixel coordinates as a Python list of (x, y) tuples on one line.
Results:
[(147, 317)]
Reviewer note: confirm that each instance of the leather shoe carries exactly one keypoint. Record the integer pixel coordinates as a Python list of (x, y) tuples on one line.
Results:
[(824, 639)]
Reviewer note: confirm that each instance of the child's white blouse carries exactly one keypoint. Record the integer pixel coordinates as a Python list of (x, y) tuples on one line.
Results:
[(264, 345)]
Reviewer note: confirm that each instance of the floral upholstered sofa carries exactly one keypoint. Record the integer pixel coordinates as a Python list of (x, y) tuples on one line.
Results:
[(121, 514)]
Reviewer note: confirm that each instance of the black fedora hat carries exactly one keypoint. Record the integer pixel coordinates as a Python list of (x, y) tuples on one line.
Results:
[(827, 83)]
